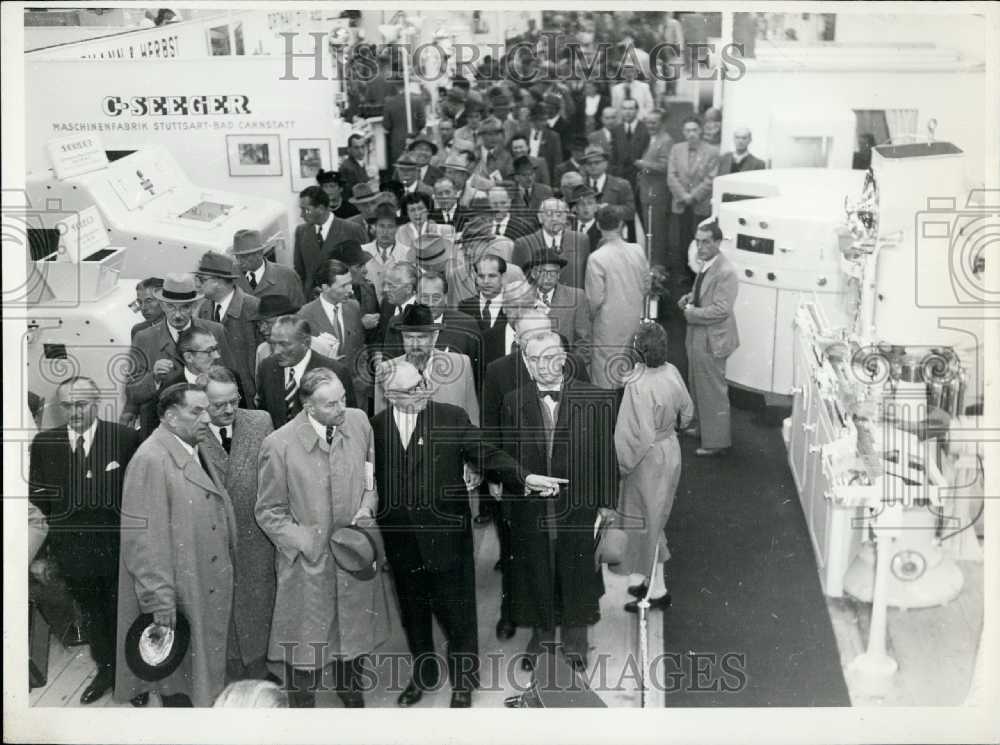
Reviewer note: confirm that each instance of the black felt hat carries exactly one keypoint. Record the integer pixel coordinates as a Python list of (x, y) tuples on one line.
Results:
[(153, 652)]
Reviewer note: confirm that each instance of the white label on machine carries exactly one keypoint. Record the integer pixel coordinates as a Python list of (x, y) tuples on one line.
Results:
[(76, 155), (81, 234)]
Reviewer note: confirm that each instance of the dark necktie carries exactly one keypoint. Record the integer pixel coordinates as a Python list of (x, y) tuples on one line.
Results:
[(227, 441), (692, 154), (329, 434), (291, 388), (486, 313), (218, 313), (697, 289), (79, 454), (628, 134), (252, 280)]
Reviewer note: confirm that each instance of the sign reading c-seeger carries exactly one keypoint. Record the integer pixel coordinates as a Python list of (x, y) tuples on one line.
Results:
[(176, 105)]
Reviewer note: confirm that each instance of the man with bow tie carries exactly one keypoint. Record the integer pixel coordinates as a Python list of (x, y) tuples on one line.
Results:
[(231, 444), (692, 167), (75, 479), (421, 449), (561, 427)]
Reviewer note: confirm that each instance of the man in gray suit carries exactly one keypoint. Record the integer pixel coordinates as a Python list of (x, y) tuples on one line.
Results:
[(711, 337), (565, 306), (554, 234), (610, 189), (336, 316), (231, 445), (259, 277), (319, 234), (693, 166), (740, 159)]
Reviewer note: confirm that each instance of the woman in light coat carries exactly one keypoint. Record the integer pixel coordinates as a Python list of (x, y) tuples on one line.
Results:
[(655, 405)]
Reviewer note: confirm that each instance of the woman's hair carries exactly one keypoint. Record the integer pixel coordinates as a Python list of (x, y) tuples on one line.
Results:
[(650, 343), (255, 694), (416, 197)]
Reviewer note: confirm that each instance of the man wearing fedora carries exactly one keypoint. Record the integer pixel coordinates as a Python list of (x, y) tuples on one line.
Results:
[(75, 479), (227, 304), (566, 306), (447, 375), (421, 451), (316, 480), (279, 375), (494, 159), (610, 189), (270, 308), (353, 169), (556, 236), (333, 184), (582, 200), (260, 277), (231, 444), (154, 356), (529, 192), (408, 170), (177, 541), (336, 313), (320, 232), (422, 149), (558, 426)]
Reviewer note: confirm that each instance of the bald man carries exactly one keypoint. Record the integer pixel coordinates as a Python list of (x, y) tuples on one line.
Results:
[(740, 159)]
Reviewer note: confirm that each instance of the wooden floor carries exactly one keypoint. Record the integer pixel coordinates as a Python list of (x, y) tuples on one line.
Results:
[(71, 670)]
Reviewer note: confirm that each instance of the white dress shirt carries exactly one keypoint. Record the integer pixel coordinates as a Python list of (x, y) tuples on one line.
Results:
[(585, 227), (190, 377), (299, 368), (509, 337), (224, 303), (599, 187), (500, 227), (325, 227), (258, 274), (319, 428), (534, 142), (552, 241), (190, 448), (400, 308), (88, 437), (406, 422), (549, 402), (217, 431), (496, 305), (174, 333), (336, 315)]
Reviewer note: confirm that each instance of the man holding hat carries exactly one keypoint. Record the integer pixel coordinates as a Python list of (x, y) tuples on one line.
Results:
[(177, 541), (610, 189), (333, 184), (260, 277), (316, 480), (154, 355), (227, 304), (421, 450)]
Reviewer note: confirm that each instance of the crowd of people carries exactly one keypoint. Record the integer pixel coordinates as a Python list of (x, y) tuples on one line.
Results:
[(466, 335)]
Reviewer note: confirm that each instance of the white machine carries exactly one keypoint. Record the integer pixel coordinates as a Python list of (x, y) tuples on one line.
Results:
[(150, 206), (98, 219), (778, 228)]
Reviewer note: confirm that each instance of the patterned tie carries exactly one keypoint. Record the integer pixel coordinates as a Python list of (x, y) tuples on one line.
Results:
[(252, 280), (545, 298), (227, 441), (697, 289), (329, 434), (291, 388), (338, 323)]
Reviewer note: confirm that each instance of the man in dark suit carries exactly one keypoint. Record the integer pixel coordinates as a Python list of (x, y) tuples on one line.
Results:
[(740, 159), (583, 202), (504, 223), (602, 136), (486, 307), (227, 304), (459, 332), (75, 478), (333, 184), (357, 259), (421, 449), (352, 168), (542, 141), (559, 124), (154, 357), (319, 234), (530, 193), (578, 146), (610, 189), (447, 210), (394, 121), (554, 234), (199, 352), (565, 306), (147, 304), (231, 444), (629, 141), (336, 315), (399, 289), (279, 375), (563, 427), (260, 277)]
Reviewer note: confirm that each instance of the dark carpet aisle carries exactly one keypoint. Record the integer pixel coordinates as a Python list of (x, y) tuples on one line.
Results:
[(743, 577)]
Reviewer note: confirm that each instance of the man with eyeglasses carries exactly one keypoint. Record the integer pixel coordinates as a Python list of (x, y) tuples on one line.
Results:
[(154, 356), (566, 306), (231, 444), (146, 303), (555, 235)]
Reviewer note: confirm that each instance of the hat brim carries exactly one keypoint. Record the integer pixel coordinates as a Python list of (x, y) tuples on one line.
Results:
[(211, 273), (349, 561), (363, 200), (142, 669), (158, 294), (433, 146), (240, 251), (529, 265)]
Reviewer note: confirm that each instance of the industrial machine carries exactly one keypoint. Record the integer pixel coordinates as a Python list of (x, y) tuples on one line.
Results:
[(98, 219)]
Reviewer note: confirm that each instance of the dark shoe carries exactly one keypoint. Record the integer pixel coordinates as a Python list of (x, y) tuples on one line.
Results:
[(638, 591), (100, 685), (482, 520), (411, 695), (141, 700), (461, 699), (528, 663), (711, 452), (654, 604), (505, 629)]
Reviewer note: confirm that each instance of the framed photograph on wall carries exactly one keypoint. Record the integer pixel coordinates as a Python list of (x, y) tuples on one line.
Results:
[(306, 158), (254, 155)]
